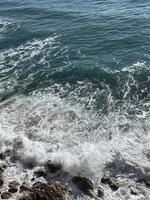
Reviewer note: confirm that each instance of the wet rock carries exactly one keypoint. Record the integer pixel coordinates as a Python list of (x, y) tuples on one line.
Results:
[(147, 183), (6, 195), (133, 191), (85, 185), (1, 178), (29, 163), (114, 185), (1, 156), (1, 181), (111, 182), (100, 192), (105, 180), (23, 187), (26, 198), (13, 190), (49, 191), (3, 166), (40, 172), (13, 184), (53, 167)]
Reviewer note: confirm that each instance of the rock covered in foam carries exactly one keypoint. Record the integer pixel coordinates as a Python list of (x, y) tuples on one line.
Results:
[(86, 187), (1, 180), (53, 167), (114, 185), (24, 187), (40, 172), (84, 184), (2, 168), (49, 191), (100, 192)]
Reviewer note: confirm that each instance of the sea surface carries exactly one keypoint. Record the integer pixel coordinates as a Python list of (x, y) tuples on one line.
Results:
[(75, 89)]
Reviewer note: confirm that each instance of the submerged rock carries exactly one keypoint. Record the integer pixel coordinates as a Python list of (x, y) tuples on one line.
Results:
[(40, 172), (53, 167), (23, 187), (49, 191), (3, 166), (133, 191), (100, 192), (111, 182), (6, 195), (85, 185)]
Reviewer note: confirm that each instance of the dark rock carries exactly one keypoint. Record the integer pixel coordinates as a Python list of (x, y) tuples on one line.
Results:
[(53, 167), (3, 166), (40, 172), (30, 163), (145, 181), (23, 187), (133, 191), (85, 185), (13, 184), (33, 179), (114, 185), (1, 182), (25, 198), (111, 182), (105, 180), (100, 192), (47, 191), (1, 178), (6, 195), (13, 190), (1, 156)]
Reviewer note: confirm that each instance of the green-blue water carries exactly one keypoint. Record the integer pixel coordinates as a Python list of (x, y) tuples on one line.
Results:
[(76, 74), (92, 38)]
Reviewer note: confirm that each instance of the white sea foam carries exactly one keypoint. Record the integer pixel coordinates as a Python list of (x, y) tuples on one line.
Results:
[(7, 25), (59, 127), (20, 60), (44, 126)]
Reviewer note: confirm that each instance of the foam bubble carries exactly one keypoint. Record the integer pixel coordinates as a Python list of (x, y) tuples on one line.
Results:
[(7, 25)]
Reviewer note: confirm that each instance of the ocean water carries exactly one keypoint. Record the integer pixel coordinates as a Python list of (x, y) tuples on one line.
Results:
[(75, 89)]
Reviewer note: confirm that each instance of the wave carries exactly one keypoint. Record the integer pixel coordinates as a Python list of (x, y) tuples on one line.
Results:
[(92, 120), (49, 125)]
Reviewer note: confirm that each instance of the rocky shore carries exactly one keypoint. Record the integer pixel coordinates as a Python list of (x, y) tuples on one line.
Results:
[(46, 189)]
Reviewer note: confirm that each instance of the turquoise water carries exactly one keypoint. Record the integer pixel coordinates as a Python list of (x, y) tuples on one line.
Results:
[(75, 81), (90, 37)]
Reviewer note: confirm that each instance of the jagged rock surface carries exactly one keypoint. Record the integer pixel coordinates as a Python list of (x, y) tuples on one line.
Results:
[(52, 190)]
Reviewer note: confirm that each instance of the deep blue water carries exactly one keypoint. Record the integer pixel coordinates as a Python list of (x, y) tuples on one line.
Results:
[(104, 43)]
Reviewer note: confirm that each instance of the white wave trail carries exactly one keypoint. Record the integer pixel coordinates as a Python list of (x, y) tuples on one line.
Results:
[(44, 126)]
